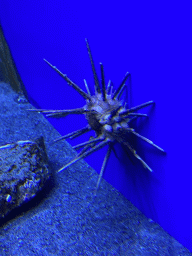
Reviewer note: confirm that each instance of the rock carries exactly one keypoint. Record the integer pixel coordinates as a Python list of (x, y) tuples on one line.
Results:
[(23, 172), (8, 71)]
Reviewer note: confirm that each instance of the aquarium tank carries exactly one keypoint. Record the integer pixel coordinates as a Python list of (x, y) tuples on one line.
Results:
[(149, 40)]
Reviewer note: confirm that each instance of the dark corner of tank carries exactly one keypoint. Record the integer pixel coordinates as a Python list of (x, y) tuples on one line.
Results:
[(8, 70)]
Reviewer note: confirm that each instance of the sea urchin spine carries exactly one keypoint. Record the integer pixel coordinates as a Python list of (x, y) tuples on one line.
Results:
[(106, 115)]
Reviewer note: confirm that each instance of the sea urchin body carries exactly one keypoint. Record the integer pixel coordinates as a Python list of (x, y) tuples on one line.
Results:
[(106, 115)]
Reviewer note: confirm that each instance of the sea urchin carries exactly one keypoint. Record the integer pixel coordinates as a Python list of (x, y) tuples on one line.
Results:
[(106, 115)]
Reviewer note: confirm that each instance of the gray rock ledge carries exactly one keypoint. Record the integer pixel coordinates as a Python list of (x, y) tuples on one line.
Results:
[(64, 218)]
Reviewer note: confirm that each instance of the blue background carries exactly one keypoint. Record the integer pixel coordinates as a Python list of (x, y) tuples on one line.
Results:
[(150, 40)]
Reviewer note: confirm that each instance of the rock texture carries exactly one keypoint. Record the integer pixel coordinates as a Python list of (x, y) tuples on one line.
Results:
[(65, 218), (23, 173), (8, 71)]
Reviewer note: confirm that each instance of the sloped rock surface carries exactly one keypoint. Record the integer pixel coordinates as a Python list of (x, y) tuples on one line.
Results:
[(65, 218)]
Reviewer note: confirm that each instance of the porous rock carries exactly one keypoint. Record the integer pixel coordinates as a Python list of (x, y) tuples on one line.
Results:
[(23, 172)]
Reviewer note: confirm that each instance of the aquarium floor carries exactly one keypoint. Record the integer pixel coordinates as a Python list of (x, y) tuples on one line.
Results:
[(65, 218)]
